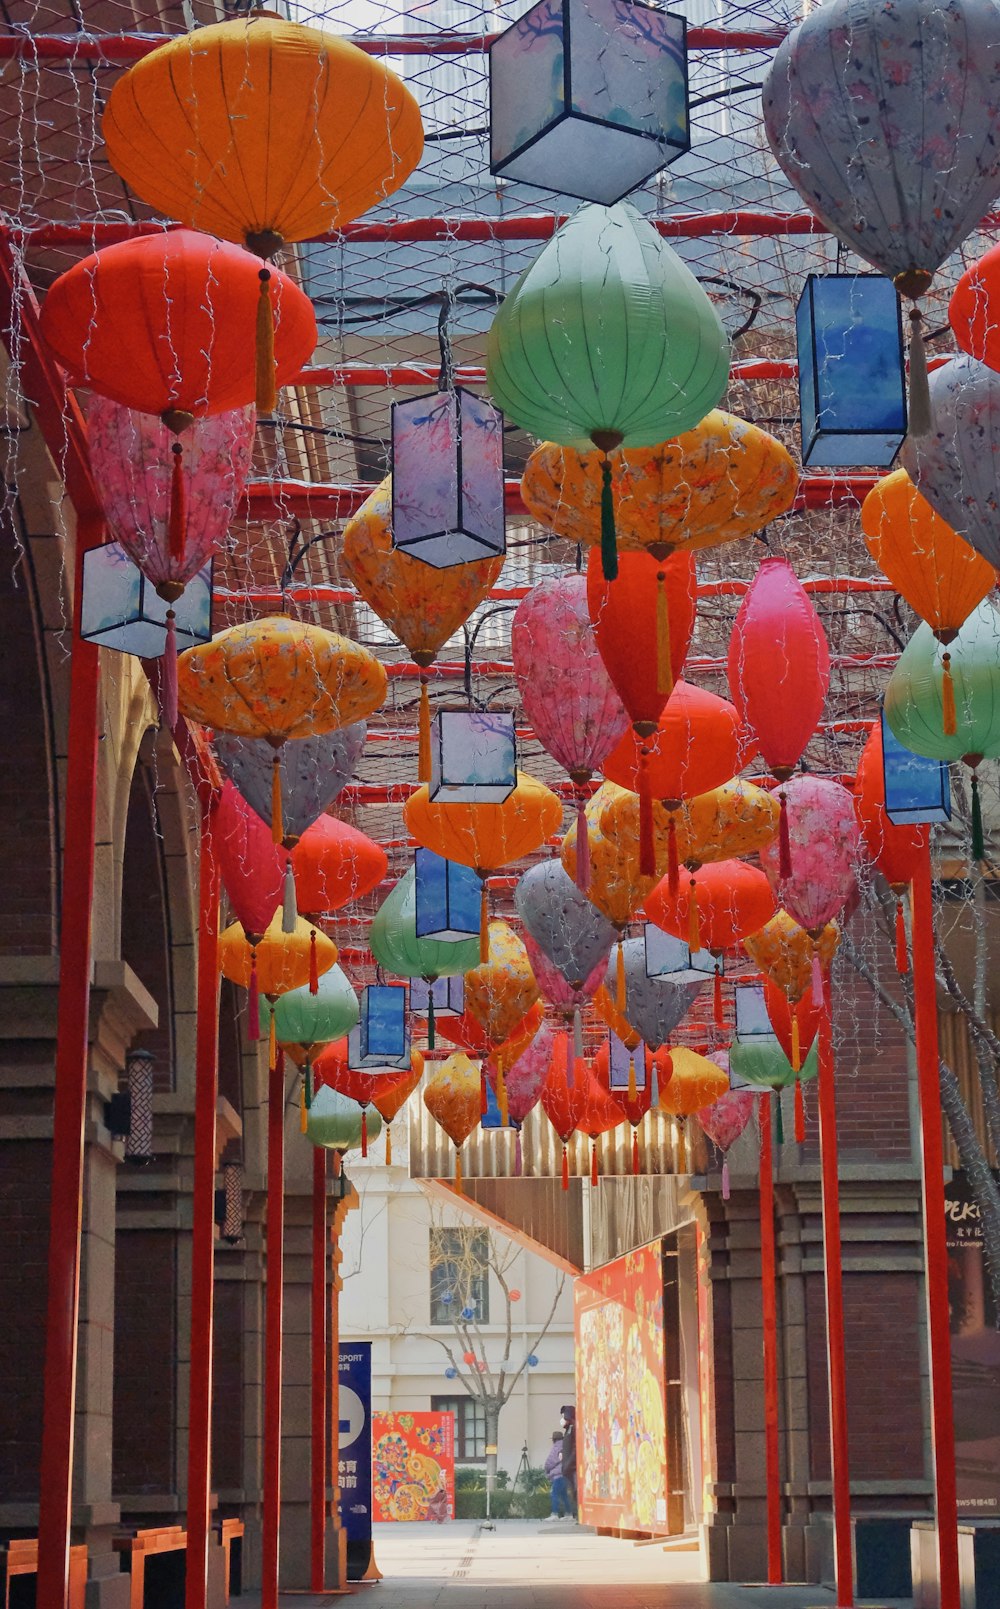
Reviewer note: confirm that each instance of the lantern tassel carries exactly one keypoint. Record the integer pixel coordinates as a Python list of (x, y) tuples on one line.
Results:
[(577, 1033), (289, 910), (673, 864), (796, 1043), (720, 1018), (594, 1172), (277, 811), (458, 1172), (430, 1018), (253, 1018), (784, 839), (609, 541), (620, 999), (682, 1150), (364, 1131), (664, 668), (817, 979), (694, 923), (582, 845), (168, 675), (920, 420), (565, 1167), (518, 1154), (177, 517), (424, 748), (725, 1178), (267, 392), (272, 1044), (779, 1121), (636, 1157), (949, 718), (978, 840), (303, 1109), (800, 1113), (633, 1088), (484, 1100), (647, 844), (902, 958), (484, 925), (313, 964), (388, 1145)]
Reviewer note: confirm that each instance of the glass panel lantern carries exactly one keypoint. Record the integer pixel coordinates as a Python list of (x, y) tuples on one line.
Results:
[(619, 1057), (589, 97), (120, 609), (752, 1021), (852, 382), (448, 898), (383, 1038), (917, 790), (448, 995), (473, 757), (491, 1118), (447, 478), (670, 957)]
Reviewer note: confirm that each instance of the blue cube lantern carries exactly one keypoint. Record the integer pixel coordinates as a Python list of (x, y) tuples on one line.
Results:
[(589, 97), (852, 381), (447, 478), (917, 790), (619, 1057), (382, 1036), (120, 609), (448, 995), (669, 957), (473, 757), (447, 897), (492, 1118), (753, 1025)]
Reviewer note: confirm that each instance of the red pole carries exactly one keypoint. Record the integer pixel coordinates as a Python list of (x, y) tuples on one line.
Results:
[(70, 1107), (769, 1306), (319, 1376), (206, 1080), (836, 1369), (270, 1519), (935, 1244)]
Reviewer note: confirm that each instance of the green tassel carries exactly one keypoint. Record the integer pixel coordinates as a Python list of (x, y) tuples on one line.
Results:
[(430, 1016), (609, 542), (779, 1120), (978, 844)]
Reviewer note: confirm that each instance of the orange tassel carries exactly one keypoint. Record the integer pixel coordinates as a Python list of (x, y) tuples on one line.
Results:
[(902, 958), (364, 1131), (303, 1101), (458, 1171), (682, 1150), (424, 748), (620, 977), (664, 669), (388, 1145), (694, 925), (502, 1094), (800, 1113), (565, 1168), (673, 866), (594, 1174), (796, 1046), (633, 1088), (720, 1016), (177, 518), (484, 924), (277, 813), (636, 1159), (949, 723), (267, 390), (313, 964)]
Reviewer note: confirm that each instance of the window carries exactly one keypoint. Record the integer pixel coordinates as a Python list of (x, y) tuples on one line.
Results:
[(459, 1260), (470, 1426)]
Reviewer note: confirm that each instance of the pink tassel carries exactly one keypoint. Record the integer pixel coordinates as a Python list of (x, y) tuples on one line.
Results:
[(168, 676), (582, 845), (784, 840), (817, 980), (254, 1013), (725, 1179), (364, 1131), (518, 1157), (673, 868)]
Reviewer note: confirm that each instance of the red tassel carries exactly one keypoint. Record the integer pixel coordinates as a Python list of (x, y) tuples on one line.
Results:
[(720, 1019), (594, 1175), (313, 964), (168, 680), (647, 844), (484, 1100), (817, 979), (673, 866), (902, 958), (694, 919), (784, 840), (254, 1013), (177, 518), (364, 1131), (800, 1113), (582, 845), (635, 1152), (725, 1179), (565, 1168)]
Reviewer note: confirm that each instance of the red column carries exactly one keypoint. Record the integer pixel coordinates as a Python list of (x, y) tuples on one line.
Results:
[(319, 1375), (203, 1226), (271, 1515), (70, 1106), (769, 1307), (935, 1245), (836, 1369)]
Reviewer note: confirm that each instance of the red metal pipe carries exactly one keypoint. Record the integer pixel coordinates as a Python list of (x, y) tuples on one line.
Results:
[(70, 1105), (360, 374), (769, 1319), (833, 1270), (275, 598), (935, 1243), (206, 1086), (318, 1344), (271, 1500)]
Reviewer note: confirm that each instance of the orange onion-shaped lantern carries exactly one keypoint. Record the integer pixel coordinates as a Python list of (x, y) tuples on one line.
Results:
[(694, 1082), (390, 1101), (502, 989), (723, 824), (643, 621), (895, 851), (784, 952), (722, 480), (469, 1034), (452, 1097), (940, 575), (334, 863), (422, 606), (617, 887), (274, 962)]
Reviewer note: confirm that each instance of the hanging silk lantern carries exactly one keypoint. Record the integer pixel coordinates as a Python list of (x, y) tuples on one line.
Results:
[(941, 577), (725, 823), (523, 1075), (643, 623), (470, 1035), (624, 1073), (314, 770), (566, 1094), (452, 1097), (617, 887), (653, 1006), (499, 991), (764, 1065), (303, 1020), (955, 467), (382, 1037), (473, 757), (262, 130), (421, 606), (916, 790), (860, 96), (390, 1099), (826, 844), (567, 928), (336, 1123), (717, 905), (274, 962), (852, 382), (447, 478), (557, 989), (795, 1023), (334, 863), (784, 951), (601, 1114), (367, 1085), (723, 1122), (895, 851), (694, 1082), (721, 481), (250, 864), (607, 340), (971, 312), (397, 947), (446, 899)]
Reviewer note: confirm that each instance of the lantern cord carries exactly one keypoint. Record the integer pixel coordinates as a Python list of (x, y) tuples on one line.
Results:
[(458, 1171), (720, 1018), (636, 1157), (168, 678), (920, 420), (518, 1155), (800, 1113), (902, 958), (484, 1100), (582, 844), (609, 541), (949, 723), (289, 909), (272, 1043), (565, 1167), (364, 1131), (796, 1043), (388, 1145), (430, 1017), (253, 1023), (502, 1093), (267, 393), (784, 839), (424, 747), (484, 925), (725, 1178), (595, 1177), (647, 841), (277, 810), (682, 1150), (620, 997), (817, 979), (664, 667), (633, 1088), (694, 922), (779, 1121), (177, 518), (673, 865), (313, 964), (978, 841)]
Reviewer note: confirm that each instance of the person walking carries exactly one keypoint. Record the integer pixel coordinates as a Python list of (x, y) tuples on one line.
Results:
[(557, 1484), (437, 1508), (568, 1450)]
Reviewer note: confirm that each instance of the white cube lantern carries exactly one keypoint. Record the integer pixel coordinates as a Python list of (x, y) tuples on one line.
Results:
[(447, 478), (473, 757)]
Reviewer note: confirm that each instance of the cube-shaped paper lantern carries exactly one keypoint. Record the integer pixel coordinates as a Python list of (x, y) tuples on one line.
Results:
[(448, 898), (491, 1118), (917, 790), (473, 757), (852, 384), (120, 609), (619, 1057), (447, 478), (383, 1038), (448, 995), (589, 97), (752, 1021), (670, 957)]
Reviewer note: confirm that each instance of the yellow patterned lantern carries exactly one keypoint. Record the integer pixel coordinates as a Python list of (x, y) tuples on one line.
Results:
[(722, 480), (784, 952), (616, 886), (694, 1082), (726, 823), (276, 963), (502, 989), (453, 1097), (421, 605)]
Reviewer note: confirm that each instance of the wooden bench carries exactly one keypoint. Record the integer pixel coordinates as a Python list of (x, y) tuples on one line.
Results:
[(231, 1537), (19, 1567), (155, 1559)]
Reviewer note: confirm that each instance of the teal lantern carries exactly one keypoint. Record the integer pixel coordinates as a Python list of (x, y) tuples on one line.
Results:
[(762, 1064), (310, 1020), (607, 341), (398, 949), (339, 1124)]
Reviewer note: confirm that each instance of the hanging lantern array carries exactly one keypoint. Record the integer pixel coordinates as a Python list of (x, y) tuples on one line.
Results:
[(624, 1074), (566, 1094), (250, 863), (695, 1082), (852, 384), (304, 1021), (274, 961), (714, 908)]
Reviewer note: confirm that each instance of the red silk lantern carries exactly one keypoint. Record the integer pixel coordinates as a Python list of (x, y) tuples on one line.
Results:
[(720, 904), (643, 622), (364, 1085), (334, 863), (466, 1032), (696, 746), (251, 865), (603, 1113), (972, 310), (895, 851)]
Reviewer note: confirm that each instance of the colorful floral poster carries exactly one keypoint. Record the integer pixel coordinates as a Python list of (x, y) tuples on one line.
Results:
[(621, 1394), (413, 1466)]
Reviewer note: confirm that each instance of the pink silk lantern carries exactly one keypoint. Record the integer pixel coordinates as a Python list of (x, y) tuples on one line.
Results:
[(519, 1086), (566, 691), (724, 1122), (825, 842), (779, 672), (252, 868)]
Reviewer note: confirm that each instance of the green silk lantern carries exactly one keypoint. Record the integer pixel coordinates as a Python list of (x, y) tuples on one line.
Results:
[(607, 341), (397, 948), (339, 1124), (763, 1064), (302, 1018)]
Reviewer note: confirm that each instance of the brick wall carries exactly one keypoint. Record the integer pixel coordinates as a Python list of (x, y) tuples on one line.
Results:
[(145, 1353), (28, 840), (25, 1173), (227, 1401)]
